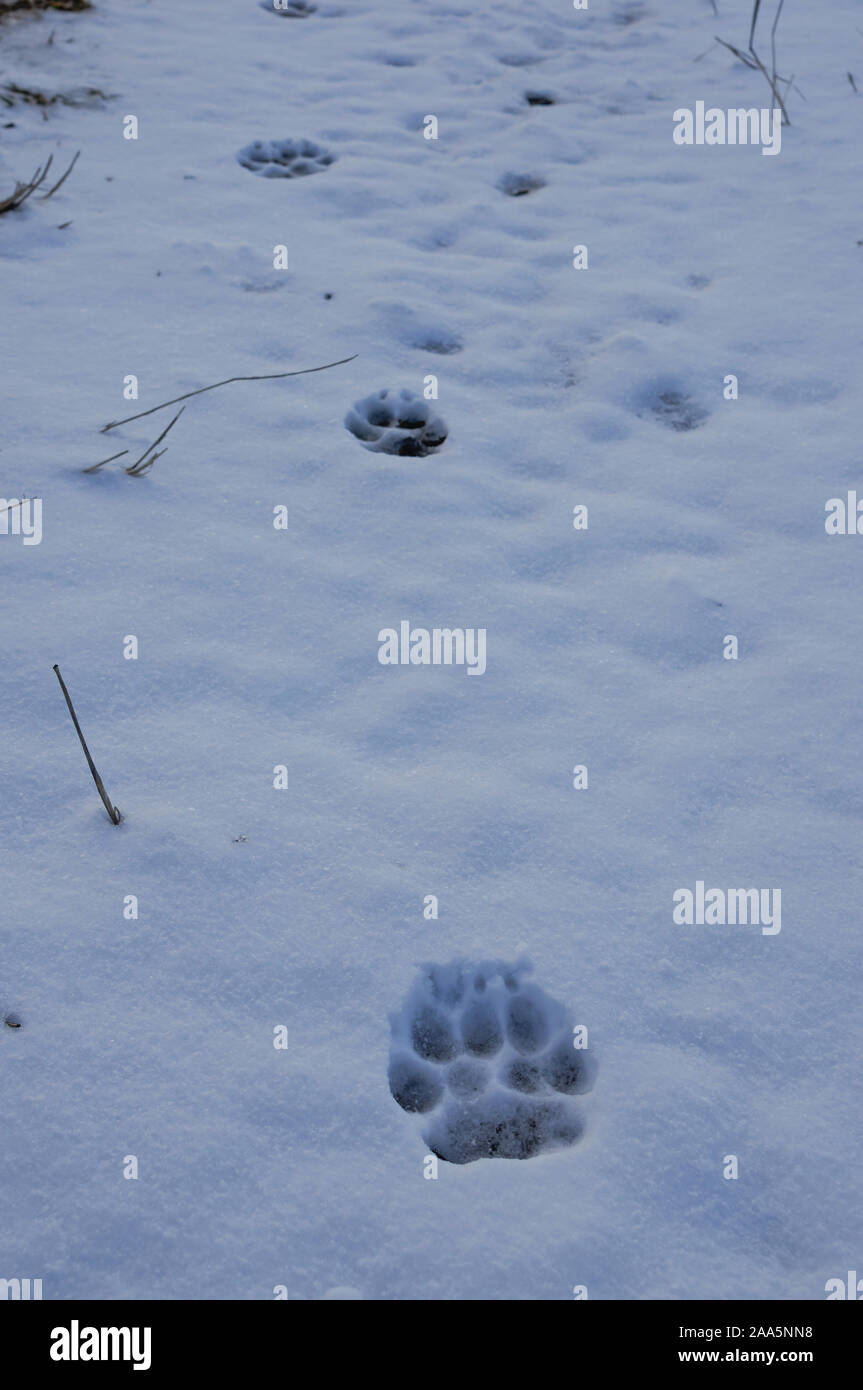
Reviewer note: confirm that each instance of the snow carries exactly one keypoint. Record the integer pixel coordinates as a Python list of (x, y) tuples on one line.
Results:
[(302, 908)]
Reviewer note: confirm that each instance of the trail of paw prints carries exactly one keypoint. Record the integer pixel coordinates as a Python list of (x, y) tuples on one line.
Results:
[(285, 159), (488, 1059), (396, 422)]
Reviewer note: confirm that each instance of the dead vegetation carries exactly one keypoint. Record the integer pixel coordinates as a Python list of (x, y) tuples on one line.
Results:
[(113, 812), (752, 59), (147, 459), (143, 464), (151, 453), (12, 6), (270, 376), (23, 191), (11, 94)]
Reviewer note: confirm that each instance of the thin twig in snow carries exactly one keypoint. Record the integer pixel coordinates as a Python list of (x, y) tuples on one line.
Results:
[(112, 810), (148, 463), (143, 463), (753, 60), (94, 467), (271, 376), (22, 191), (61, 181)]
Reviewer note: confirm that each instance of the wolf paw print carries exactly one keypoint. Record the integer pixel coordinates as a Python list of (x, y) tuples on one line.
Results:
[(285, 159), (678, 411), (396, 422), (489, 1061)]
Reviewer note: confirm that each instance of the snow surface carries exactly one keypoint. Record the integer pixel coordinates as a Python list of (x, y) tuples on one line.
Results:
[(258, 647)]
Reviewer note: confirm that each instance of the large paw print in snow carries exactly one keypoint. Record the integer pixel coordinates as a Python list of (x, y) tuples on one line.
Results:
[(285, 159), (490, 1061), (396, 422)]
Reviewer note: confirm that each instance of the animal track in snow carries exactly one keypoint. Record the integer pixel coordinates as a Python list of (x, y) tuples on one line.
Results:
[(416, 328), (444, 344), (518, 185), (668, 401), (520, 60), (396, 422), (624, 15), (489, 1061), (285, 159), (678, 411)]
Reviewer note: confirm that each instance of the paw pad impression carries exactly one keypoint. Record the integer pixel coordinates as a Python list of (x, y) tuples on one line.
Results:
[(285, 159), (488, 1060), (396, 422), (678, 411)]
